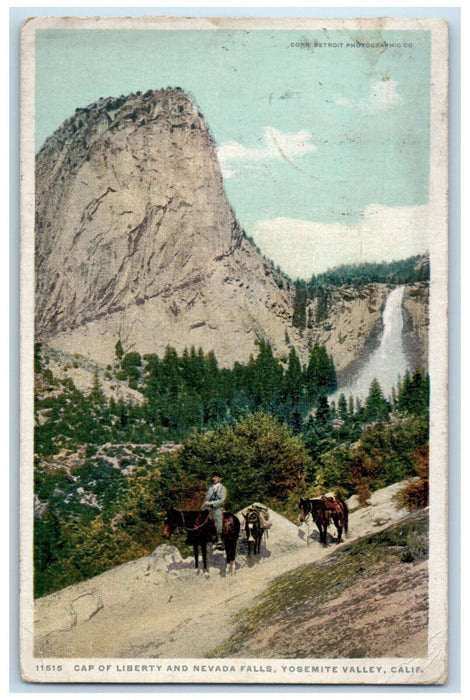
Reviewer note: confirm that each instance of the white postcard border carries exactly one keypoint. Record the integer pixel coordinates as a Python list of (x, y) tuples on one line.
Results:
[(433, 669)]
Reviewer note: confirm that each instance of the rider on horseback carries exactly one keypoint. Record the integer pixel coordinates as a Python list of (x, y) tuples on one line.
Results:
[(215, 499)]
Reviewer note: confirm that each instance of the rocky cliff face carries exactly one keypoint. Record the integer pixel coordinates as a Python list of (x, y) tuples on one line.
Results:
[(351, 327), (136, 241), (416, 324)]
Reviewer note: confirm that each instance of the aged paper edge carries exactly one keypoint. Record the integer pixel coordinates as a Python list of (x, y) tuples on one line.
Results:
[(434, 666)]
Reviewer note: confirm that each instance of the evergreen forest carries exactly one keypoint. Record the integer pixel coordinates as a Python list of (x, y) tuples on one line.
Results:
[(408, 271), (107, 469)]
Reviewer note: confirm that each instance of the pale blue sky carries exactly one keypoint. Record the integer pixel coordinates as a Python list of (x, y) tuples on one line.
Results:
[(315, 135)]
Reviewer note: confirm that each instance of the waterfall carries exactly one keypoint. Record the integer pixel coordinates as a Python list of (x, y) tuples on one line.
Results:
[(388, 361)]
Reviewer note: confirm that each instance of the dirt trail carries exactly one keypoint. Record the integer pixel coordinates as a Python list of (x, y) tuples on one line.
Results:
[(158, 607)]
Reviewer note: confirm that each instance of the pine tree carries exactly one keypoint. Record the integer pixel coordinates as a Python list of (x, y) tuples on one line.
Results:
[(171, 371), (323, 296), (333, 380), (118, 350), (413, 393), (299, 315), (351, 406), (393, 398), (358, 408), (323, 412), (97, 395), (342, 407), (376, 407), (212, 389), (293, 378), (320, 374), (265, 377)]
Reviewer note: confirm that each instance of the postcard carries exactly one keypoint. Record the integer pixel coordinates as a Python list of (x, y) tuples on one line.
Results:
[(234, 350)]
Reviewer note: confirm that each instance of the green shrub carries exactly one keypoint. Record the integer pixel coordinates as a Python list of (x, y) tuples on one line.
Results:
[(416, 494), (417, 548)]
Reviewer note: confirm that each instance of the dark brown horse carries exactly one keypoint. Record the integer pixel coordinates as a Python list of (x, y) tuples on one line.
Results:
[(253, 530), (230, 533), (323, 511), (200, 529)]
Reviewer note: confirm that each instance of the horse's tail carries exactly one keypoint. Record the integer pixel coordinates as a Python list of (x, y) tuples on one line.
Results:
[(236, 525), (345, 512)]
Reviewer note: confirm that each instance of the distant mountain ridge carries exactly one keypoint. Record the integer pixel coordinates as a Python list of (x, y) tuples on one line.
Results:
[(407, 271)]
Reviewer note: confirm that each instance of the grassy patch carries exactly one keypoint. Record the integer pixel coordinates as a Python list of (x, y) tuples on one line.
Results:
[(287, 599)]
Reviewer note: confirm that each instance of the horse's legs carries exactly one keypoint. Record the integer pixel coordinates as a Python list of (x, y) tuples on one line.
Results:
[(226, 542), (204, 555), (322, 530), (231, 546), (227, 535), (248, 541), (229, 555), (337, 521), (339, 528), (259, 536), (229, 552), (196, 555)]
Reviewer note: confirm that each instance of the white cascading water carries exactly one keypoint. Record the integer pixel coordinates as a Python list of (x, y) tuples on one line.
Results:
[(388, 361)]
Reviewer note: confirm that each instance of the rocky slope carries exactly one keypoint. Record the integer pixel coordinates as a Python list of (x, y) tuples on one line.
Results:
[(136, 241), (373, 589)]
